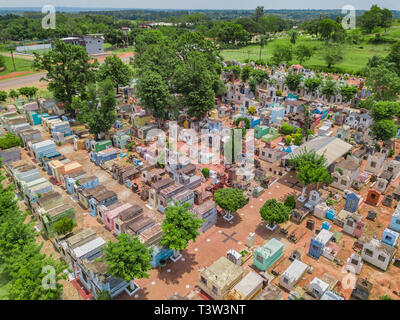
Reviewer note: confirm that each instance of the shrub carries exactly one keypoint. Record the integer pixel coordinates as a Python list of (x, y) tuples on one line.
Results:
[(64, 226), (286, 128), (10, 140), (130, 145), (297, 138), (205, 172), (104, 295), (3, 96), (252, 110), (288, 140)]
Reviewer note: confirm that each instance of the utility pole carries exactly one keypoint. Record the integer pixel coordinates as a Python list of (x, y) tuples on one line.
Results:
[(12, 48)]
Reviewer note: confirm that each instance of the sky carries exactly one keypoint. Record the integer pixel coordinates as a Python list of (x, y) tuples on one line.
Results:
[(206, 4)]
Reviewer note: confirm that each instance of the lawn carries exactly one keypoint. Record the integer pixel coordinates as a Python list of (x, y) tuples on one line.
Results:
[(4, 283), (20, 64), (355, 56)]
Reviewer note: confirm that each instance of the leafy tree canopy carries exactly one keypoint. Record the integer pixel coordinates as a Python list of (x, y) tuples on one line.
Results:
[(230, 199), (179, 227), (384, 129), (128, 258), (311, 168), (275, 212), (115, 69), (68, 71)]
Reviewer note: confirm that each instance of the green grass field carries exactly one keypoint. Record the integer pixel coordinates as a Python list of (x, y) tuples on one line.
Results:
[(20, 64), (355, 56)]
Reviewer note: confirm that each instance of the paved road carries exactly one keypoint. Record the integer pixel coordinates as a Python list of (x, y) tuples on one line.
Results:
[(33, 79), (24, 81)]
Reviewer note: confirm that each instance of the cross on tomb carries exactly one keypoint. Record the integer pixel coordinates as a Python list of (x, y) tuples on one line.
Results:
[(229, 237)]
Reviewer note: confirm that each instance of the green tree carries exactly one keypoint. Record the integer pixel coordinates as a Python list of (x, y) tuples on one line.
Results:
[(98, 110), (385, 110), (282, 53), (259, 75), (348, 92), (154, 94), (245, 73), (253, 85), (371, 19), (179, 227), (394, 57), (13, 94), (387, 19), (3, 96), (384, 129), (290, 202), (24, 265), (293, 81), (2, 62), (68, 71), (64, 226), (384, 83), (327, 28), (368, 103), (303, 53), (310, 168), (274, 212), (115, 69), (333, 54), (230, 200), (30, 277), (293, 36), (128, 258), (312, 85), (259, 13), (329, 89), (194, 80)]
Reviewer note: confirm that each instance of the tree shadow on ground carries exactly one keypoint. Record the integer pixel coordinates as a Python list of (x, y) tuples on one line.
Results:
[(177, 269), (222, 223), (142, 295)]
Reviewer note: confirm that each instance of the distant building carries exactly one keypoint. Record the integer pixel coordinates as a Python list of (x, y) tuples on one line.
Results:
[(93, 43)]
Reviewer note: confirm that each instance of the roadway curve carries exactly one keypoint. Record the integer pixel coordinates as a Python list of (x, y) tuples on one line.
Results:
[(33, 80)]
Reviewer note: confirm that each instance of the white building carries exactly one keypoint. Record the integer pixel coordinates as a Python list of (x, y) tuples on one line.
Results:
[(378, 253), (318, 287), (292, 274)]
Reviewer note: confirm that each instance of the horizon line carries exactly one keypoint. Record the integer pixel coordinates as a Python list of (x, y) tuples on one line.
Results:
[(226, 9)]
